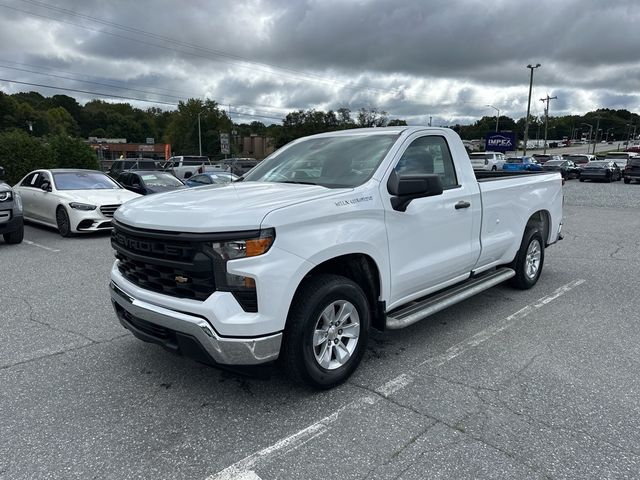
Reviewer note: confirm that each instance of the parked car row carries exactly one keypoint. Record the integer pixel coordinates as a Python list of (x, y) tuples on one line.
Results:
[(75, 201), (183, 166), (613, 167)]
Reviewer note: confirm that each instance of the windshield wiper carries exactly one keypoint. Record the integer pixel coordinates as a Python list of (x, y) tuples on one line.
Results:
[(297, 182)]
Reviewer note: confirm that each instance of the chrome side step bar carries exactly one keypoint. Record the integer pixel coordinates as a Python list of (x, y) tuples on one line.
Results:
[(421, 309)]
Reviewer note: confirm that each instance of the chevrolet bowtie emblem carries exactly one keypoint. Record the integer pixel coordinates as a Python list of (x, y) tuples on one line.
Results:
[(181, 279)]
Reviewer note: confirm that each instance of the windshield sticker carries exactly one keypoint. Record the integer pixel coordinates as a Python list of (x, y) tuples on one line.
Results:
[(343, 203)]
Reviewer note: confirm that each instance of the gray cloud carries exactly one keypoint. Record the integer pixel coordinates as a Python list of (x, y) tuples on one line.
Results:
[(414, 58)]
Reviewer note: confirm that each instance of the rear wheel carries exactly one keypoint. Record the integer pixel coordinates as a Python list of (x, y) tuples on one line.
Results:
[(327, 331), (529, 260), (62, 220), (628, 180), (16, 236), (608, 179), (582, 179)]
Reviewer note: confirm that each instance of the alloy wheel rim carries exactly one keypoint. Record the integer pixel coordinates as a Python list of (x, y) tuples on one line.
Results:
[(532, 262), (336, 334), (63, 224)]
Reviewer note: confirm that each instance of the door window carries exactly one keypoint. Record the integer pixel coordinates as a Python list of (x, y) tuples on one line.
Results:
[(428, 155), (30, 180)]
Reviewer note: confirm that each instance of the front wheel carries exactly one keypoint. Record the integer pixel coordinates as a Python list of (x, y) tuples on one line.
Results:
[(327, 331), (63, 222), (529, 260), (14, 237)]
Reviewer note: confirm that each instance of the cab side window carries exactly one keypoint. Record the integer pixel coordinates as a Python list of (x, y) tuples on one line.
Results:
[(429, 154)]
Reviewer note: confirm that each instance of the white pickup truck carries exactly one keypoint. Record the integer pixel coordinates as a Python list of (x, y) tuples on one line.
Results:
[(184, 167), (330, 236)]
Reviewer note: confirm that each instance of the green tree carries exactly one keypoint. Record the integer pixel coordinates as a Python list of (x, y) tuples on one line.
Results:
[(69, 152), (60, 122), (182, 130), (20, 153)]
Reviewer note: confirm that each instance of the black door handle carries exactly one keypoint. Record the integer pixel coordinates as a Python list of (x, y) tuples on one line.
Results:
[(462, 204)]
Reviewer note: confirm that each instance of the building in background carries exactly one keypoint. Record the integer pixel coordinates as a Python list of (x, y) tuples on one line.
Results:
[(110, 149), (255, 146)]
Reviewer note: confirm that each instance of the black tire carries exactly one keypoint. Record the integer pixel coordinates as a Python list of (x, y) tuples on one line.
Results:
[(63, 222), (16, 236), (298, 355), (582, 179), (523, 279), (627, 181), (608, 179)]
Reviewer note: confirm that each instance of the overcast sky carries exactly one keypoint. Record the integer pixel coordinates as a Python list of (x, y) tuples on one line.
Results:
[(447, 59)]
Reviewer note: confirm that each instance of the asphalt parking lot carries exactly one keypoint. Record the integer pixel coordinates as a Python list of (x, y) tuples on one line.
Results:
[(510, 384)]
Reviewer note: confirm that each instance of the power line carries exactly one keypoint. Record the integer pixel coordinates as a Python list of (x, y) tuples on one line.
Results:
[(231, 58), (105, 95), (122, 97), (124, 88)]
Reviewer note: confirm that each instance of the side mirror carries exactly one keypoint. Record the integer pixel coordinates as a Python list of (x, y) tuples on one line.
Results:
[(45, 187), (405, 188)]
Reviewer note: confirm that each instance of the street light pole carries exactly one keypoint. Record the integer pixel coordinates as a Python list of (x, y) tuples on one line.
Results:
[(526, 122), (497, 116), (546, 119), (199, 136), (590, 130)]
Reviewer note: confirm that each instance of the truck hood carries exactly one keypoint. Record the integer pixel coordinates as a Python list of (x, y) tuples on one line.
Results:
[(217, 208)]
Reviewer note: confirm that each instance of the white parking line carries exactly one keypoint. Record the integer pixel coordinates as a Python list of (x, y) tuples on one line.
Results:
[(34, 244), (245, 468)]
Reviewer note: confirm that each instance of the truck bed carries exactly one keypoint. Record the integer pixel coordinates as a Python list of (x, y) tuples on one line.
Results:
[(487, 176)]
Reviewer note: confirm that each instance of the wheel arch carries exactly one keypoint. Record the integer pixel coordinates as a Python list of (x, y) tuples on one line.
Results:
[(542, 220), (362, 269)]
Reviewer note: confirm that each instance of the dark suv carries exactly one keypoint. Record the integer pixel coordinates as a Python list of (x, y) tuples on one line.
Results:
[(11, 221), (632, 170), (119, 166)]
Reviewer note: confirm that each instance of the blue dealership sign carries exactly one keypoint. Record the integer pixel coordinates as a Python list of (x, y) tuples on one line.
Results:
[(500, 142)]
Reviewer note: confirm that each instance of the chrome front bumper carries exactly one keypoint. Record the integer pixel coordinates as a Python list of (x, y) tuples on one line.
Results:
[(174, 330)]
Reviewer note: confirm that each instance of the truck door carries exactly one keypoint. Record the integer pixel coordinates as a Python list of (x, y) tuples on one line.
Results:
[(431, 243)]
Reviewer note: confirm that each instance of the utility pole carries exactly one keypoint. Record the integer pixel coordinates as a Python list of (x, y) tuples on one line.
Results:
[(429, 120), (590, 130), (546, 118), (596, 137), (526, 122)]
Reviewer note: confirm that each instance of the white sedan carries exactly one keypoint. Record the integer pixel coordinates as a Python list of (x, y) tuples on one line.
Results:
[(72, 201)]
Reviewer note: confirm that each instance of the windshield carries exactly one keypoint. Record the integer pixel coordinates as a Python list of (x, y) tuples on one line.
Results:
[(160, 180), (555, 163), (598, 164), (481, 156), (333, 162), (83, 181), (578, 158), (223, 178), (514, 160)]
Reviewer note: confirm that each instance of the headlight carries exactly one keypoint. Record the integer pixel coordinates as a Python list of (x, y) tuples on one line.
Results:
[(6, 196), (82, 206), (243, 288), (252, 247)]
